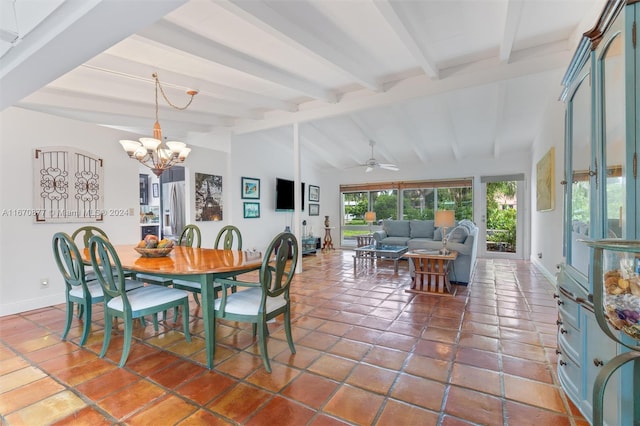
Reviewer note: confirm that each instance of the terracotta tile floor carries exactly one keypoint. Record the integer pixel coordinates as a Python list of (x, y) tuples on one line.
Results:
[(367, 353)]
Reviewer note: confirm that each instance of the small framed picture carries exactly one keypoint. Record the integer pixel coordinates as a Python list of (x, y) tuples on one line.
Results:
[(155, 190), (314, 193), (250, 188), (314, 209), (251, 210)]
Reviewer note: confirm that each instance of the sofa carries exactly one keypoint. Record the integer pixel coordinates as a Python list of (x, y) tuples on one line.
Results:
[(423, 235)]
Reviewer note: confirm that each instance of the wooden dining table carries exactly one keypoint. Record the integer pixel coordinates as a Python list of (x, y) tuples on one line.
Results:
[(201, 265)]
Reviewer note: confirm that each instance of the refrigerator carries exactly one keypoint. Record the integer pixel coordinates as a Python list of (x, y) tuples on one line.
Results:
[(173, 209)]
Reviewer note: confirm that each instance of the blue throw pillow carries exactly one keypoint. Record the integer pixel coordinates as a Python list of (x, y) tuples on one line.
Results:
[(458, 234), (421, 228)]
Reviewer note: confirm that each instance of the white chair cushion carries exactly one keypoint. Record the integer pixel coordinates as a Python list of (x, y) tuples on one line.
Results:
[(95, 289), (247, 302), (146, 297)]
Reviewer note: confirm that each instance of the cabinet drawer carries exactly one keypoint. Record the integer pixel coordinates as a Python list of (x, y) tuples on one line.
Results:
[(570, 376), (569, 310), (570, 342)]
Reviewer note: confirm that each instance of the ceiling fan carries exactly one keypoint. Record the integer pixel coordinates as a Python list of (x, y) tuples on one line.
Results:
[(372, 163)]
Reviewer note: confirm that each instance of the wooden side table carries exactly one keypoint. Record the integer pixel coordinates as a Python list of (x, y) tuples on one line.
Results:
[(328, 242), (431, 272), (364, 240)]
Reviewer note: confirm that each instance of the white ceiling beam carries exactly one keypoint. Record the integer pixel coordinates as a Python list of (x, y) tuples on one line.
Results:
[(378, 150), (426, 61), (138, 126), (318, 137), (409, 129), (451, 128), (319, 145), (484, 72), (501, 102), (116, 65), (267, 19), (511, 24), (176, 37), (116, 107), (60, 43)]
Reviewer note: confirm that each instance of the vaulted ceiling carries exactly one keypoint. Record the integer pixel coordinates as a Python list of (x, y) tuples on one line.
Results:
[(428, 81)]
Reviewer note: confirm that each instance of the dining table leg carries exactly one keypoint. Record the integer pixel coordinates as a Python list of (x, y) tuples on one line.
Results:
[(208, 316)]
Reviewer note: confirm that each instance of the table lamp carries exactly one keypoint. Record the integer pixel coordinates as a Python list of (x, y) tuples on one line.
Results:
[(445, 219), (370, 217)]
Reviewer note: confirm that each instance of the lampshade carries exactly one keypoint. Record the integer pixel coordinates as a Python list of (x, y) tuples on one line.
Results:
[(445, 218), (370, 217)]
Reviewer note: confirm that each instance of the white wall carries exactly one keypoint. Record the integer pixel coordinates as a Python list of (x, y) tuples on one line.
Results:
[(546, 227), (252, 157), (25, 247)]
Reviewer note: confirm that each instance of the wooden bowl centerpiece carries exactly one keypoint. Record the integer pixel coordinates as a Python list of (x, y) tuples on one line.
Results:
[(151, 246)]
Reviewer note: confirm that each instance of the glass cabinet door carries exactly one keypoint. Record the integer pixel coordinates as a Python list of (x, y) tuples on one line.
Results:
[(580, 119), (611, 66)]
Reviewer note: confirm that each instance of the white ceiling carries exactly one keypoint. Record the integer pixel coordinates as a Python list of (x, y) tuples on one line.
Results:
[(428, 81)]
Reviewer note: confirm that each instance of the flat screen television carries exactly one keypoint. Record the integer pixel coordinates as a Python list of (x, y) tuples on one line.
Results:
[(284, 195)]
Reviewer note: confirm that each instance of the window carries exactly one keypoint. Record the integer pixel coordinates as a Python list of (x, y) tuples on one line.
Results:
[(407, 200)]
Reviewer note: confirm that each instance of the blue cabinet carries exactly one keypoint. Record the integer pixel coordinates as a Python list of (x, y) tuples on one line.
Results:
[(601, 200)]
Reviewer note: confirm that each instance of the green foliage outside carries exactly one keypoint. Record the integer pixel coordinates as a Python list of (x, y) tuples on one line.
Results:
[(580, 201), (501, 223), (386, 205)]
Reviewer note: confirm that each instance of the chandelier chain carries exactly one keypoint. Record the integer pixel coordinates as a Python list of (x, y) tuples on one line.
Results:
[(164, 95)]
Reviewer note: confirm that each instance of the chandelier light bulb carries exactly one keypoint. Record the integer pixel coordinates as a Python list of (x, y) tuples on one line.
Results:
[(151, 152)]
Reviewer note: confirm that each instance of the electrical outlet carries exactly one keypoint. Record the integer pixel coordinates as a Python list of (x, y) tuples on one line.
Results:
[(540, 255), (44, 282)]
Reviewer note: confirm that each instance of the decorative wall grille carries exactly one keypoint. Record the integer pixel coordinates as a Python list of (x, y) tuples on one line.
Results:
[(68, 186)]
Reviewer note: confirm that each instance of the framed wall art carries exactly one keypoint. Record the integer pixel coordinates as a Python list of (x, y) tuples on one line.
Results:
[(314, 209), (251, 210), (314, 193), (208, 197), (545, 193), (250, 188)]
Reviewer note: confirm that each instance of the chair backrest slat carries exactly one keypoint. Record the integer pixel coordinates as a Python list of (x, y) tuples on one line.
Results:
[(190, 236), (67, 257), (227, 235), (108, 268), (87, 232), (277, 270)]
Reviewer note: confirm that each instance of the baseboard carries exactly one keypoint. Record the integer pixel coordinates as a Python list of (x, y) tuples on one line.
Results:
[(30, 304), (540, 267)]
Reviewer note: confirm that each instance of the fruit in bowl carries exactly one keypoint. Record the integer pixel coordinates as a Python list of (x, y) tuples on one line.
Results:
[(151, 246)]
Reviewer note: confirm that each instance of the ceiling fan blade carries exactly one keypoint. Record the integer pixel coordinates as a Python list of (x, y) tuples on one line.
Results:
[(369, 168), (389, 167)]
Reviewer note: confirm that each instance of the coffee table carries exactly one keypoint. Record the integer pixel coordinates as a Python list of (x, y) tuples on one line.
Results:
[(431, 272), (372, 252)]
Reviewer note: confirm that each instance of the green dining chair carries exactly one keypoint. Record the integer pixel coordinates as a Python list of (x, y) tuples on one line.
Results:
[(83, 234), (190, 236), (264, 300), (78, 291), (226, 236), (145, 300)]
